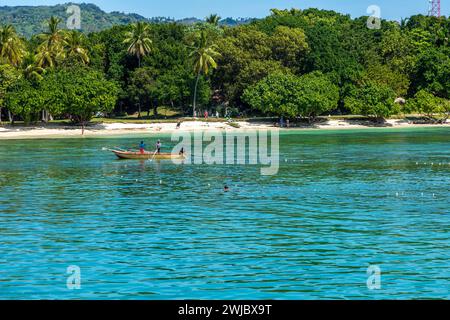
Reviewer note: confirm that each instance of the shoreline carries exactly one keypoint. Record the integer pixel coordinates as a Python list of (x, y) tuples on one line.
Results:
[(117, 129)]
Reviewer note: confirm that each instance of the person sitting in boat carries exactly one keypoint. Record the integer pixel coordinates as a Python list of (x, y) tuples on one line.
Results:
[(142, 147), (158, 147)]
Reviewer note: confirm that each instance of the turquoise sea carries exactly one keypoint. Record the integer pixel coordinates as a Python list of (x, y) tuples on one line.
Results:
[(341, 202)]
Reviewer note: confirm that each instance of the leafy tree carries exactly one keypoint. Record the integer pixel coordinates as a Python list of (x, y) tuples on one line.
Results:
[(8, 76), (382, 74), (397, 51), (254, 71), (246, 57), (432, 72), (289, 46), (138, 40), (204, 56), (374, 100), (89, 94), (24, 100), (429, 105), (318, 94), (292, 96), (84, 93), (173, 87), (142, 88)]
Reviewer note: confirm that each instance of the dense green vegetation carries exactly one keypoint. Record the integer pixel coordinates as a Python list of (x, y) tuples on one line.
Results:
[(294, 63)]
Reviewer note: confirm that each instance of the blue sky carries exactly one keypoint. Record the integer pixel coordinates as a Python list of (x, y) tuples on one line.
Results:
[(390, 9)]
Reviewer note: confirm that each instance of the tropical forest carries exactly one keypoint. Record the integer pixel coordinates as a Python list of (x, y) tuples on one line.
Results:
[(296, 64)]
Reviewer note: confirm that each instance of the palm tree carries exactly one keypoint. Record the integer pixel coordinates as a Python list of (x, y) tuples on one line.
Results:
[(213, 19), (54, 36), (35, 74), (32, 71), (204, 55), (51, 48), (46, 57), (12, 48), (139, 40), (73, 46)]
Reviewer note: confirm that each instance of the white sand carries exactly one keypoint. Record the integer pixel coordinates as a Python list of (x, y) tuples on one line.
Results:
[(54, 131)]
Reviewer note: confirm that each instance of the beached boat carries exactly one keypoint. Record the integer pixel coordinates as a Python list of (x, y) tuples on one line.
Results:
[(121, 154)]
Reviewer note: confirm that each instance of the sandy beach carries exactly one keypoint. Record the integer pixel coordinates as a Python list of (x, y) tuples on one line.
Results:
[(106, 129)]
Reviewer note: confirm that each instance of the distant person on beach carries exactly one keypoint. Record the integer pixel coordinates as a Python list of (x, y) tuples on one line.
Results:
[(158, 146), (178, 125), (142, 147)]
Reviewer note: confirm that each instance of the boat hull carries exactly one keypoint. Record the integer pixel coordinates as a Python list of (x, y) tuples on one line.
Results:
[(147, 155)]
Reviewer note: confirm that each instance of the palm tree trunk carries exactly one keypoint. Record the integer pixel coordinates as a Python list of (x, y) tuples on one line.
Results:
[(0, 114), (11, 117), (195, 94), (139, 61)]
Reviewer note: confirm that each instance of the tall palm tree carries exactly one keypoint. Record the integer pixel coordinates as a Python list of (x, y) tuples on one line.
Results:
[(35, 74), (12, 47), (204, 55), (73, 46), (213, 19), (54, 35), (51, 48), (139, 40)]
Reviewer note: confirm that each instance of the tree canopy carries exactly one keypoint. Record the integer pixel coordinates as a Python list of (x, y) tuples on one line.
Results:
[(289, 95)]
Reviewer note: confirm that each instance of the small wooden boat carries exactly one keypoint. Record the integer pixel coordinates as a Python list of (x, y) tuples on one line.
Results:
[(121, 154)]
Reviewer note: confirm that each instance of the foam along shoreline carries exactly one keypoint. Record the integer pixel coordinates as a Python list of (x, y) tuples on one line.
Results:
[(107, 129)]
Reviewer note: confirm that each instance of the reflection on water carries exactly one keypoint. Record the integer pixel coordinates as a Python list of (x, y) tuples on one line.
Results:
[(154, 230)]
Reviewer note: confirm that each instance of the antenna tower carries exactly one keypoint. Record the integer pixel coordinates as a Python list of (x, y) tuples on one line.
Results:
[(435, 8)]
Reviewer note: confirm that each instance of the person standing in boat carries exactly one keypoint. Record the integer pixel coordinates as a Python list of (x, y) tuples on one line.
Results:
[(142, 147), (158, 147)]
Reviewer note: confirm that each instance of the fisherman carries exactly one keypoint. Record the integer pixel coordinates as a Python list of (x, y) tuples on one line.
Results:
[(158, 147), (142, 147)]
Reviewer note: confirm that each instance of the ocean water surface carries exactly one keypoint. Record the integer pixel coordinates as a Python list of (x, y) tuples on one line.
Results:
[(341, 202)]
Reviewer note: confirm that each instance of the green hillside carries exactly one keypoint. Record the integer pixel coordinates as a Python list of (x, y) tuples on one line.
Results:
[(30, 20)]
